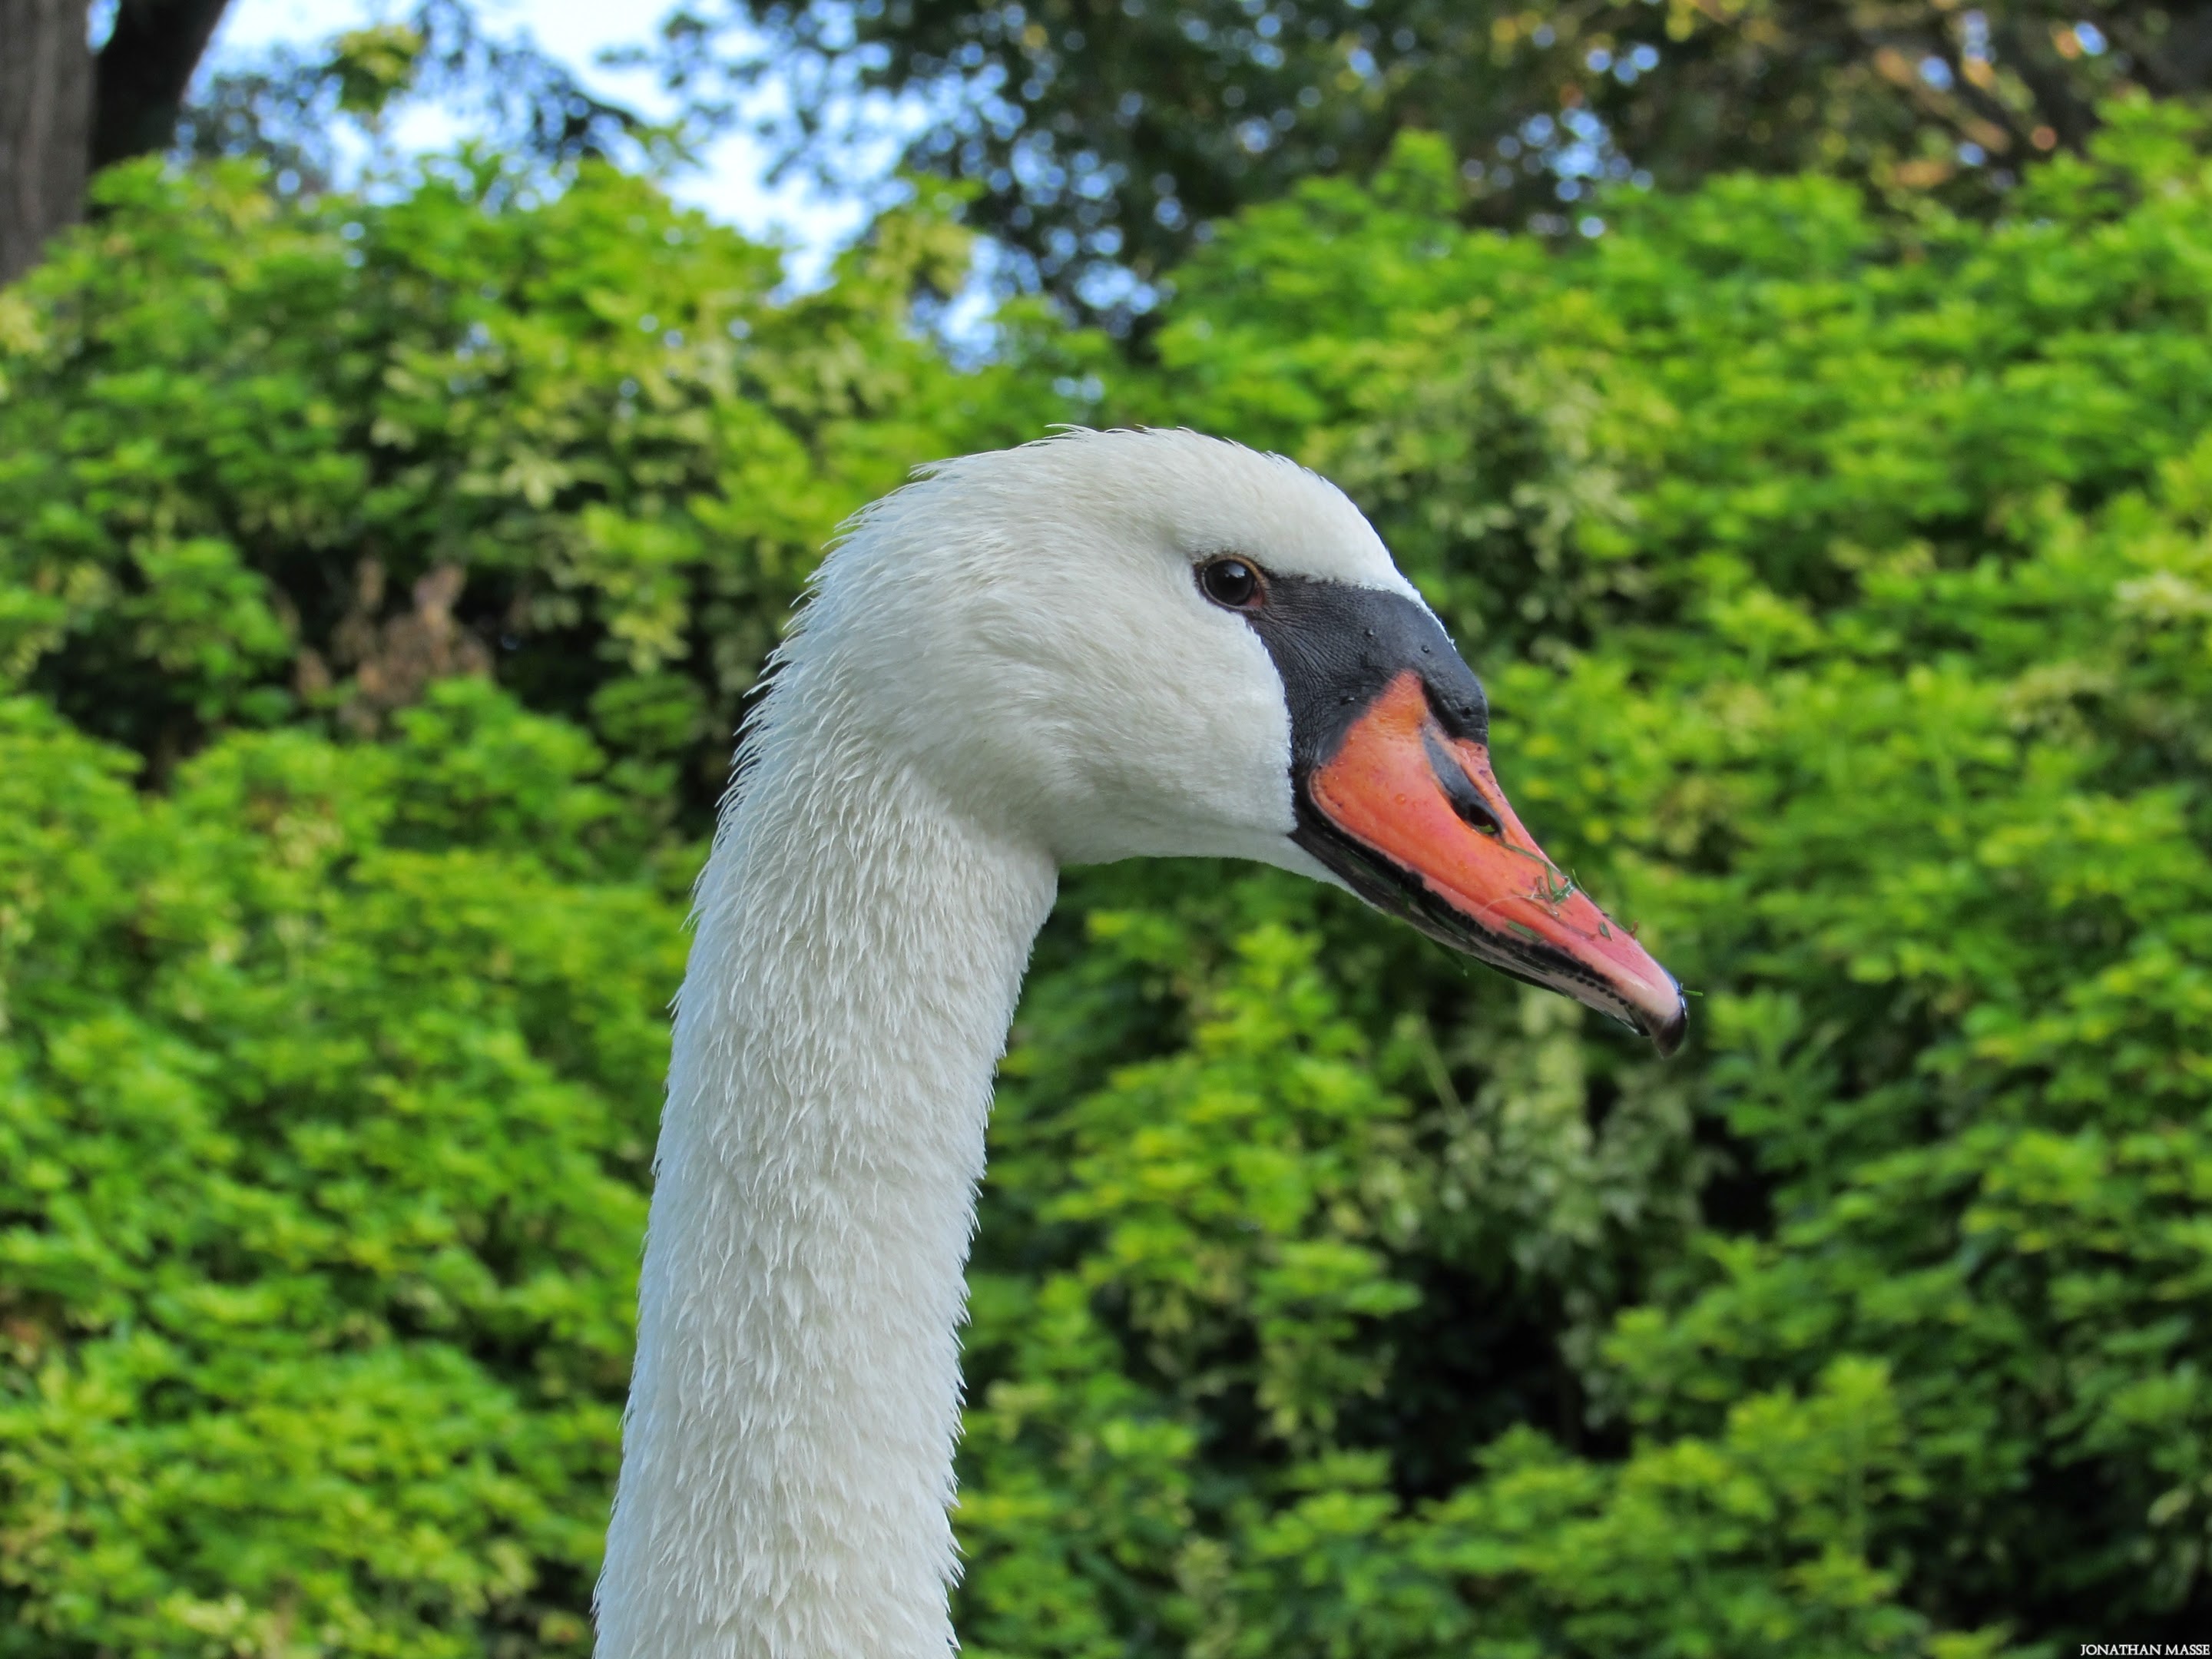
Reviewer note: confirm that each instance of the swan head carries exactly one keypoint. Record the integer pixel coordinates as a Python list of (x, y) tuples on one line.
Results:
[(1151, 643)]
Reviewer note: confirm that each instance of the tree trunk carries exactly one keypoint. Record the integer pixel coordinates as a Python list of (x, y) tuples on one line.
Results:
[(144, 69), (45, 125)]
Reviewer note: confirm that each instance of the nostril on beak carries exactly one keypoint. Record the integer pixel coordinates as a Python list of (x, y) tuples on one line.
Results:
[(1451, 777)]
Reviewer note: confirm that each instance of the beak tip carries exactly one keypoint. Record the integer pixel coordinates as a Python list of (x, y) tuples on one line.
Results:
[(1667, 1034)]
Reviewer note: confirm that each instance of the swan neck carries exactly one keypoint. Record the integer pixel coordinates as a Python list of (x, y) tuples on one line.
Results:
[(787, 1455)]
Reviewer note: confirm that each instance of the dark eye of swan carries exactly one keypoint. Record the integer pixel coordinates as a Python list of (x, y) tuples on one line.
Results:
[(1231, 583)]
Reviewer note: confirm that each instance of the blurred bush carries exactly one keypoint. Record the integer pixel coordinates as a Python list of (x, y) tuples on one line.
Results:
[(378, 585)]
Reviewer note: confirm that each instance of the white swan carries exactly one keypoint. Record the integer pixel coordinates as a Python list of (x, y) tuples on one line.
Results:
[(1096, 647)]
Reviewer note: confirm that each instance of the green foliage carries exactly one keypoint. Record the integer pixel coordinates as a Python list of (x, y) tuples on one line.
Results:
[(372, 66), (1842, 590), (247, 455), (325, 1108)]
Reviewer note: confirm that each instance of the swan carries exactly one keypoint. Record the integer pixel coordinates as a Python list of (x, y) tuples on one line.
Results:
[(1098, 645)]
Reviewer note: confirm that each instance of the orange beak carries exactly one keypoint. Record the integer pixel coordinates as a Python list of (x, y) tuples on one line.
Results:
[(1413, 819)]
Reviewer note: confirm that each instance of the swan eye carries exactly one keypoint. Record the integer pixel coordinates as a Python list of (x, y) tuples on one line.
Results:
[(1231, 583)]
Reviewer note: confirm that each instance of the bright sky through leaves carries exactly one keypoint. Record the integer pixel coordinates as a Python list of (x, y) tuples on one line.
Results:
[(733, 184)]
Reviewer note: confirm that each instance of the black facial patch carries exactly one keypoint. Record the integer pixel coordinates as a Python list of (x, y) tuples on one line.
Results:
[(1337, 646)]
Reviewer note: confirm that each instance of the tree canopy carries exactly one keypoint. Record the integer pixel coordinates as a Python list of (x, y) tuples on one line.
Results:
[(1101, 137), (380, 581)]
